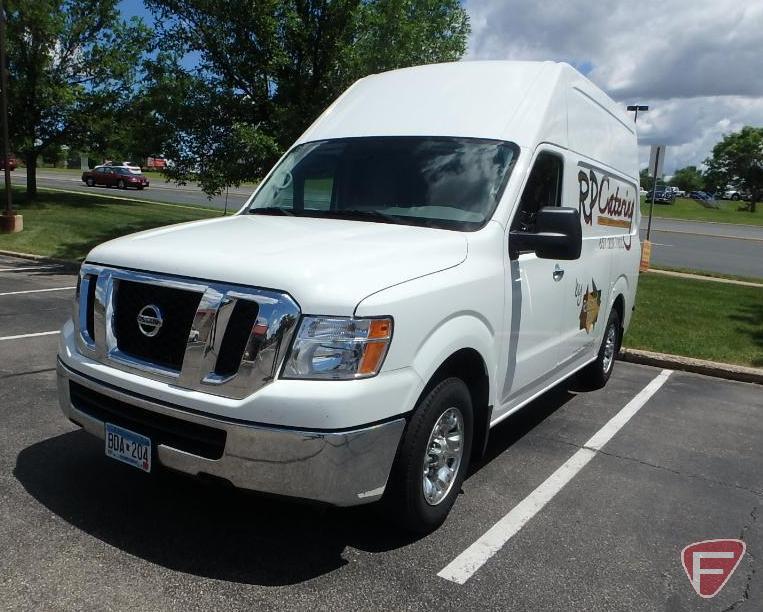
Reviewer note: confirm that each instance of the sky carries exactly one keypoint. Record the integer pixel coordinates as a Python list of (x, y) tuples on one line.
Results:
[(698, 64)]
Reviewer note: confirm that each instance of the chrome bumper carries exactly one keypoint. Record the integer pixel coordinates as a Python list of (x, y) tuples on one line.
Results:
[(342, 468)]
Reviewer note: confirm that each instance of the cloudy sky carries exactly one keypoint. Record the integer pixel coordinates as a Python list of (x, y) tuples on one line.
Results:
[(698, 64)]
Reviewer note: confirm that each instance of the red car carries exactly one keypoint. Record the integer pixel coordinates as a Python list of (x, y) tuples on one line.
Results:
[(12, 163), (114, 176)]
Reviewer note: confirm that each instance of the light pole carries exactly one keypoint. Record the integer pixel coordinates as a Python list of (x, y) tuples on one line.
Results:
[(636, 108), (646, 245)]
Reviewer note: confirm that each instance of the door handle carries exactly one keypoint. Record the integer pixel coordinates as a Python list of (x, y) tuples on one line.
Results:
[(558, 273)]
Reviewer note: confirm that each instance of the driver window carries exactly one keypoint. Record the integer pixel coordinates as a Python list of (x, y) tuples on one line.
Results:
[(543, 188)]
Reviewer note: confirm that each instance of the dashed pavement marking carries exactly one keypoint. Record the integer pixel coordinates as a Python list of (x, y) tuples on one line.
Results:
[(35, 335), (37, 291)]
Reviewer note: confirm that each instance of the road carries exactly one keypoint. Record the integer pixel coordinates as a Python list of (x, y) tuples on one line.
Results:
[(711, 247), (159, 191), (80, 531)]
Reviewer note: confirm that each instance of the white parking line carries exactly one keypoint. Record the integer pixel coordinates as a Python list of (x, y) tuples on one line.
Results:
[(36, 291), (27, 269), (20, 336), (468, 562)]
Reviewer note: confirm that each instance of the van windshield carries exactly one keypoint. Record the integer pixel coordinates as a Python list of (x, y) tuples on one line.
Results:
[(450, 183)]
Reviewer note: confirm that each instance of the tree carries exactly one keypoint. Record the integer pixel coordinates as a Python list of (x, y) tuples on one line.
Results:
[(738, 160), (267, 69), (645, 179), (688, 179), (73, 65)]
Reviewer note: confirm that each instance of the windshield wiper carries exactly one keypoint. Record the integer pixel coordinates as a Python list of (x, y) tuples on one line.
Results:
[(370, 215), (271, 210)]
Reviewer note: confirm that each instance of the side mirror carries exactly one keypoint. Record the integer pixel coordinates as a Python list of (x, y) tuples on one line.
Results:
[(558, 235)]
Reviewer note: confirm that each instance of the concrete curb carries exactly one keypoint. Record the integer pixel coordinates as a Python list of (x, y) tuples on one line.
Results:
[(714, 279), (698, 366), (66, 263)]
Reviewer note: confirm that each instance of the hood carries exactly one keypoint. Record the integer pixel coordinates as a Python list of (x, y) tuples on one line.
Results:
[(327, 265)]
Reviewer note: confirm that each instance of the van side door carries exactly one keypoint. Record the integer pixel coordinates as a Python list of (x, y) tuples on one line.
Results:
[(535, 288), (607, 204)]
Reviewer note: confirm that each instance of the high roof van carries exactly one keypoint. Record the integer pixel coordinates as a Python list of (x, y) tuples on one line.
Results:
[(444, 244)]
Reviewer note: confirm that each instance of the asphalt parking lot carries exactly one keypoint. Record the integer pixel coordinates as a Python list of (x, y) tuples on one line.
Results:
[(80, 531)]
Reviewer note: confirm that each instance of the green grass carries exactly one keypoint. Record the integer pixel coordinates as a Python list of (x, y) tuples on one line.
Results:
[(696, 318), (68, 225), (684, 208)]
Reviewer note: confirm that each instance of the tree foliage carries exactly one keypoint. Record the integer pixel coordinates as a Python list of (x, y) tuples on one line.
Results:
[(688, 179), (265, 69), (73, 65), (738, 161)]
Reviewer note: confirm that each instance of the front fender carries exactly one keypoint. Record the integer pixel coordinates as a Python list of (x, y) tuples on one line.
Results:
[(465, 330)]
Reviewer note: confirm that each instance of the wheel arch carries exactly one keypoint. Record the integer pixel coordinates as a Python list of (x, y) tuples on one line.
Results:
[(468, 365)]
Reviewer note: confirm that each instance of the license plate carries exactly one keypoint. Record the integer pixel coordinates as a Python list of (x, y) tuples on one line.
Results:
[(128, 447)]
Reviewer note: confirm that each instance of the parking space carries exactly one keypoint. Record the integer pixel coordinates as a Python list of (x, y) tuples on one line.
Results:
[(81, 531)]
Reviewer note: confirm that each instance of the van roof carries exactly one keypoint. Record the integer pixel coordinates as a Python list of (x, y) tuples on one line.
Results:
[(522, 102)]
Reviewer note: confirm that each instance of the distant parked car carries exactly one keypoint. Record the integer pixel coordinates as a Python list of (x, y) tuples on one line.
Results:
[(134, 168), (661, 195), (700, 195), (706, 199), (735, 194), (12, 163), (114, 176), (679, 193)]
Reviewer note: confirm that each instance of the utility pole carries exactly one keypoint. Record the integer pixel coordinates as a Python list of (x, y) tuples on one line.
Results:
[(9, 221), (4, 112)]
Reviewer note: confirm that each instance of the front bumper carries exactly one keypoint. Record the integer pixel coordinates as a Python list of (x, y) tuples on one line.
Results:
[(342, 468)]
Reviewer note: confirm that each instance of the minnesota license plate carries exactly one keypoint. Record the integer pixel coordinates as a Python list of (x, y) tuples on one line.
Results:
[(128, 447)]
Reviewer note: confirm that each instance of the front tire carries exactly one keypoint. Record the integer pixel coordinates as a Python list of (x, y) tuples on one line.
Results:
[(595, 375), (433, 458), (121, 184), (90, 182)]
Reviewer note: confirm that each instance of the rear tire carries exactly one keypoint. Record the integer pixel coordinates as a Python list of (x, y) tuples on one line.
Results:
[(121, 184), (595, 375), (433, 458), (735, 197)]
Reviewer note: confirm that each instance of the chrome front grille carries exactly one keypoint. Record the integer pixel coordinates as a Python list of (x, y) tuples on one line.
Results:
[(224, 339)]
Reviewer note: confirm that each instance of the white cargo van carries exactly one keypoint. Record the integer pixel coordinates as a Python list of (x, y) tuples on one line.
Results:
[(444, 244)]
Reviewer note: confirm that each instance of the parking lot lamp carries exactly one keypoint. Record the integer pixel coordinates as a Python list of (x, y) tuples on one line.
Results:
[(635, 108)]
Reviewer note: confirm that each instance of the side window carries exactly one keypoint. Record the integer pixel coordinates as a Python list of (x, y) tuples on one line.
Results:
[(317, 195), (543, 188)]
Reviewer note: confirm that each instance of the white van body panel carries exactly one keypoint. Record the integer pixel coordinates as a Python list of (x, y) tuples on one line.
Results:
[(531, 321)]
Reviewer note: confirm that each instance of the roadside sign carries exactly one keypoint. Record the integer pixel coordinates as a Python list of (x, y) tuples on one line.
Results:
[(656, 160), (646, 255)]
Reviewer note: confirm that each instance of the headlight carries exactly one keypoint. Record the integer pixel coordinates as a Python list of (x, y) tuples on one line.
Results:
[(338, 348)]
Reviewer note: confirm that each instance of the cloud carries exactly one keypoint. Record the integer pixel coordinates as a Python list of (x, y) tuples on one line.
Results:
[(697, 64)]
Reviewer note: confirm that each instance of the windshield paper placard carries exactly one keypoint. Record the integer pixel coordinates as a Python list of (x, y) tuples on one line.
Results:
[(606, 201)]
